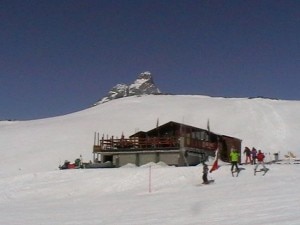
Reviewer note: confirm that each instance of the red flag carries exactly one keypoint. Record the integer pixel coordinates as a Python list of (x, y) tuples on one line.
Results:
[(215, 165)]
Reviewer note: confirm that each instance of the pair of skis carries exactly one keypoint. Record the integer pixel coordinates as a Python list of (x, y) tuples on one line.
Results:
[(236, 172), (209, 182), (261, 170)]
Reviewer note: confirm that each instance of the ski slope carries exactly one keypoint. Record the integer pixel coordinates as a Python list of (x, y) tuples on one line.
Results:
[(122, 196), (34, 192)]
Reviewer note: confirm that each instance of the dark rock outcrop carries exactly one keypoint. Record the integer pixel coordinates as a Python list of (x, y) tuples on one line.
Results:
[(143, 85)]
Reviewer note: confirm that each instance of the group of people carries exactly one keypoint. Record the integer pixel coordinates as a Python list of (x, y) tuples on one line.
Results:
[(251, 155), (254, 157)]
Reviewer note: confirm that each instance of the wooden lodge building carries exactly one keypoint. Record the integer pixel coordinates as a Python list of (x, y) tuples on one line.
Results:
[(172, 143)]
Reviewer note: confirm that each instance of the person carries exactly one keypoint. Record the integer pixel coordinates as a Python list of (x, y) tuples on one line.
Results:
[(234, 158), (260, 161), (247, 151), (205, 172), (253, 154)]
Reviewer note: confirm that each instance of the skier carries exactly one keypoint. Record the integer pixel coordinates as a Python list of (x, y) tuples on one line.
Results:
[(260, 161), (205, 172), (247, 151), (253, 153), (234, 158)]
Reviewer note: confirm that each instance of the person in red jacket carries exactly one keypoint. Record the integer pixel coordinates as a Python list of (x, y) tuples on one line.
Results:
[(260, 161)]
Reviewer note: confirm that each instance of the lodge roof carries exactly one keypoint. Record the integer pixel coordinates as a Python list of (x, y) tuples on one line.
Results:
[(172, 125)]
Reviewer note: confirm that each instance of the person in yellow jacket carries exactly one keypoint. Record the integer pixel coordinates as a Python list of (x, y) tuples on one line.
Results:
[(234, 158)]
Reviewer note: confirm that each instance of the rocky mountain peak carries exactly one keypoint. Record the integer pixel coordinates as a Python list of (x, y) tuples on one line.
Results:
[(143, 85)]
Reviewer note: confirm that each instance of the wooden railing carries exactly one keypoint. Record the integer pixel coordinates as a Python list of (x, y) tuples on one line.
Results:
[(136, 143), (151, 143)]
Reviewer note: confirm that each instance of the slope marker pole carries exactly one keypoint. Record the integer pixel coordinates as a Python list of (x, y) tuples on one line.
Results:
[(150, 179)]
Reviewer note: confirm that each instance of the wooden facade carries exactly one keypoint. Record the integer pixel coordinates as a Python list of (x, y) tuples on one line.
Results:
[(173, 143)]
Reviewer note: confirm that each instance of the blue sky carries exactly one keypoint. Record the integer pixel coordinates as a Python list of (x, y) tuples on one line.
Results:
[(58, 56)]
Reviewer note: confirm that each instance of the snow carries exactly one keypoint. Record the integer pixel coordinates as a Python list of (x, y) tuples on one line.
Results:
[(34, 192)]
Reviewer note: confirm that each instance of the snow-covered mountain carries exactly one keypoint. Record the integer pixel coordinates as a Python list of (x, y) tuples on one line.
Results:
[(143, 85), (269, 125), (34, 192)]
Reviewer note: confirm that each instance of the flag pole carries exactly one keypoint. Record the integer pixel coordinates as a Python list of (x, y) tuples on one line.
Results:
[(150, 179)]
